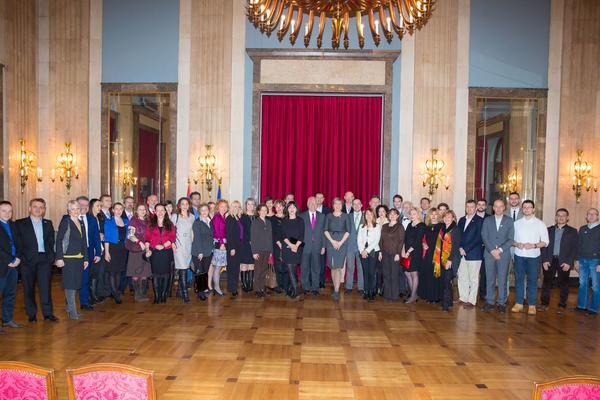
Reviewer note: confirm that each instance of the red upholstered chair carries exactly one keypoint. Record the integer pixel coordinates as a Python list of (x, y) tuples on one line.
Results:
[(20, 380), (578, 387), (111, 382)]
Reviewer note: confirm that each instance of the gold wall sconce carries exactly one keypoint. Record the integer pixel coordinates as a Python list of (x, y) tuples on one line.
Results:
[(207, 173), (66, 168), (129, 179), (582, 177), (512, 182), (433, 176), (27, 162)]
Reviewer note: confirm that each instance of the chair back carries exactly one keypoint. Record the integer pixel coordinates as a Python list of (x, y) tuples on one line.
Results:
[(578, 387), (108, 381), (19, 380)]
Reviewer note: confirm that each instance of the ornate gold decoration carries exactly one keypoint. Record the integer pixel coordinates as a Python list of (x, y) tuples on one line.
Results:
[(66, 168), (582, 176), (27, 161), (433, 176), (512, 183), (129, 179), (208, 172), (391, 16)]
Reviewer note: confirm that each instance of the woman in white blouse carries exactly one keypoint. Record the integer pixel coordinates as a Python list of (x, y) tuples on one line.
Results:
[(368, 247)]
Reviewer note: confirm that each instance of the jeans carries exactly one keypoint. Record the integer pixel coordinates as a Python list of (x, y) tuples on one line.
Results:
[(8, 291), (526, 267), (587, 269), (84, 291), (368, 267)]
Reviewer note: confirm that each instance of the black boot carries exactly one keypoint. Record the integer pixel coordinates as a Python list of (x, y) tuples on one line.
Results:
[(94, 291), (201, 286), (156, 287), (114, 287), (250, 280), (143, 290), (165, 287), (183, 285), (170, 279), (243, 281)]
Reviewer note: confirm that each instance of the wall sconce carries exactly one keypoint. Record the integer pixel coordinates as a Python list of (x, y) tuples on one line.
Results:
[(27, 165), (513, 182), (66, 168), (432, 177), (129, 180), (208, 172), (582, 177)]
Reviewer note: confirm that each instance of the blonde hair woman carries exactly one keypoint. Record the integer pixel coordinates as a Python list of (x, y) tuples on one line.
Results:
[(337, 232), (413, 250)]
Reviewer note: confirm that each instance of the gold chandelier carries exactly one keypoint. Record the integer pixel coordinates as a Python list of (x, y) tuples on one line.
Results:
[(433, 176), (129, 179), (386, 16), (582, 176), (208, 172), (513, 182), (66, 168), (27, 161)]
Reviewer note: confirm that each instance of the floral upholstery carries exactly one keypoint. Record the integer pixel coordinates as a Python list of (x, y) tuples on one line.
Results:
[(22, 385), (109, 385), (572, 391)]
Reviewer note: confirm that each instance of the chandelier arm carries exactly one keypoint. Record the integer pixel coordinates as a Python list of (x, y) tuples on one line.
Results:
[(376, 36), (309, 28), (386, 24), (322, 19), (274, 18), (406, 16), (360, 30), (346, 41), (297, 27), (283, 30), (397, 28)]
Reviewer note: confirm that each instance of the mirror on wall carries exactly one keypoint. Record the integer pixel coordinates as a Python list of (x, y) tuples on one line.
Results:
[(505, 149), (139, 145)]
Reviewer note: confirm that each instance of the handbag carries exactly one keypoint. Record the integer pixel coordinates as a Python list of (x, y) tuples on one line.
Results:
[(270, 277), (405, 262)]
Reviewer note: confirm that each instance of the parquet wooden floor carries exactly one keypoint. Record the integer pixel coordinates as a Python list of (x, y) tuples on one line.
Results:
[(314, 348)]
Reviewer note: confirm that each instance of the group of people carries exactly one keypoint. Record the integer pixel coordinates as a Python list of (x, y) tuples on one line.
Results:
[(402, 251)]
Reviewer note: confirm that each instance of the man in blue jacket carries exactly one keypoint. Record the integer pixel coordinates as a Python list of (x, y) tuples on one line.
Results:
[(471, 252), (87, 297)]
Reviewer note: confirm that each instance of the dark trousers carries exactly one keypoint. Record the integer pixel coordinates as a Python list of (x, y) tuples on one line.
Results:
[(368, 265), (391, 276), (482, 281), (379, 276), (84, 291), (39, 272), (8, 292), (447, 294), (280, 269), (563, 282), (322, 272), (293, 286), (103, 286), (233, 271), (260, 270), (310, 275)]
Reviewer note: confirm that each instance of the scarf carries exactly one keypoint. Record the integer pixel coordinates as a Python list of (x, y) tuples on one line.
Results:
[(443, 248)]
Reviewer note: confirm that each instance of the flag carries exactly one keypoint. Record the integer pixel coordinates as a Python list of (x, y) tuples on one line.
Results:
[(219, 191), (189, 189)]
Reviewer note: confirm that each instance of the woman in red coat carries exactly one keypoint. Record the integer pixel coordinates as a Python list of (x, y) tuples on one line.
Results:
[(160, 239)]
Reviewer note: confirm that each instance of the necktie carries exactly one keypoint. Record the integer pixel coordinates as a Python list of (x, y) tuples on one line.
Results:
[(312, 224), (356, 220), (514, 215)]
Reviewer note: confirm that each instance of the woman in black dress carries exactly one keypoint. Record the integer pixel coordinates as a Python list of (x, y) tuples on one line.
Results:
[(235, 238), (246, 256), (292, 233), (280, 268), (202, 251), (115, 253), (413, 249), (71, 255), (430, 286)]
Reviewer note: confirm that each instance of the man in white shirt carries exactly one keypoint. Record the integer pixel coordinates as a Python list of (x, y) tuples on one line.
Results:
[(151, 201), (531, 235), (128, 204), (471, 252), (405, 213), (348, 199), (514, 210)]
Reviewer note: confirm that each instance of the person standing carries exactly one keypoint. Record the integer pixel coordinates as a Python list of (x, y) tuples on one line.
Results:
[(588, 264), (246, 256), (471, 252), (196, 201), (397, 201), (235, 241), (313, 249), (391, 244), (160, 240), (220, 253), (353, 259), (425, 204), (374, 202), (202, 250), (261, 232), (497, 233), (9, 261), (337, 233), (115, 253), (430, 283), (348, 199), (558, 258), (321, 207), (447, 256), (36, 235), (129, 205), (280, 268), (367, 240), (530, 236), (183, 220), (92, 238), (152, 202), (413, 250), (515, 211), (71, 255), (482, 212), (138, 267), (97, 269), (292, 234)]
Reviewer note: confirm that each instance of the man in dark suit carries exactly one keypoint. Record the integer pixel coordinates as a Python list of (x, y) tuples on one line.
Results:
[(36, 235), (314, 226), (9, 261), (498, 235), (87, 293), (353, 261), (348, 199), (558, 257), (482, 212), (471, 252), (323, 209)]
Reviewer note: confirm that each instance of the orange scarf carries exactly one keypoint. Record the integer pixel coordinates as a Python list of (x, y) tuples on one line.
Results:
[(443, 248)]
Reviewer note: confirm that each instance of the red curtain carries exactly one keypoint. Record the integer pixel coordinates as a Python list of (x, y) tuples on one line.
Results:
[(320, 143)]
